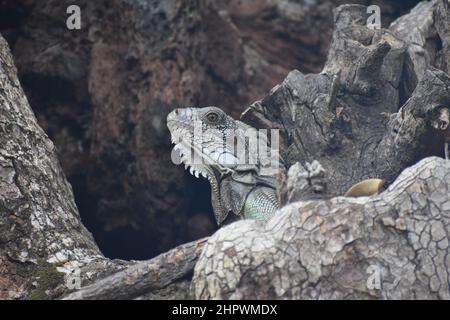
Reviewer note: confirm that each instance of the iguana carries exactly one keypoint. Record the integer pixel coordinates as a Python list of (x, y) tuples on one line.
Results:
[(208, 141)]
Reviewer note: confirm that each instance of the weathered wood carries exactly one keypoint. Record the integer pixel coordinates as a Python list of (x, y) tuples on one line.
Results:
[(145, 276), (329, 249), (367, 114), (377, 108)]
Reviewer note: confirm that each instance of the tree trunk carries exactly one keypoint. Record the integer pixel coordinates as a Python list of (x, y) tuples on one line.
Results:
[(44, 245)]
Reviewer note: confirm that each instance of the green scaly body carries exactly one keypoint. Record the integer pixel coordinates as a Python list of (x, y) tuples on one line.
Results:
[(260, 204)]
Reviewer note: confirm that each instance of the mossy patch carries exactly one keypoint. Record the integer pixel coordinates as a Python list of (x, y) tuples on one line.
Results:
[(48, 278)]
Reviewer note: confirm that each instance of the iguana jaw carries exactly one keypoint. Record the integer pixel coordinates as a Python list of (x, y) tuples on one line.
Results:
[(212, 173)]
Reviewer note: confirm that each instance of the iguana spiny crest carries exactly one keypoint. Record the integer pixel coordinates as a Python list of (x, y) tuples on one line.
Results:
[(221, 149)]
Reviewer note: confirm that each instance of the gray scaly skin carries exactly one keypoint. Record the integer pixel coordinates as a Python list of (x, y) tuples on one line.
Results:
[(236, 186)]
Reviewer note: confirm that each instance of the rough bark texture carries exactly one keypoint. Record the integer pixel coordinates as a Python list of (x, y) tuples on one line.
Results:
[(369, 112), (375, 110), (145, 277), (102, 94), (42, 240), (39, 219), (323, 249)]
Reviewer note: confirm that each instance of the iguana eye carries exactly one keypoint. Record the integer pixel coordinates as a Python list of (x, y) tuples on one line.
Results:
[(212, 117)]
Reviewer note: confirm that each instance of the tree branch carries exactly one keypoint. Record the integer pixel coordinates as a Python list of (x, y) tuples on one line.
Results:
[(329, 249), (145, 276)]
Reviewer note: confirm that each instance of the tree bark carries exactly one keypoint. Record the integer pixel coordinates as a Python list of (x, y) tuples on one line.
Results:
[(376, 108), (340, 248), (39, 219), (146, 276), (43, 244)]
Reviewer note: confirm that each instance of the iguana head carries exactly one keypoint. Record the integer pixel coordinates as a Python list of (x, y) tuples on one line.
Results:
[(200, 135), (216, 146)]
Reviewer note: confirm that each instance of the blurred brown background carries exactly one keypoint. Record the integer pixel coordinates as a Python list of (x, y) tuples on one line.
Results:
[(102, 94)]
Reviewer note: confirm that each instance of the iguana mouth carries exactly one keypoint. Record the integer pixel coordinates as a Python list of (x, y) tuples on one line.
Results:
[(185, 153), (189, 153)]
